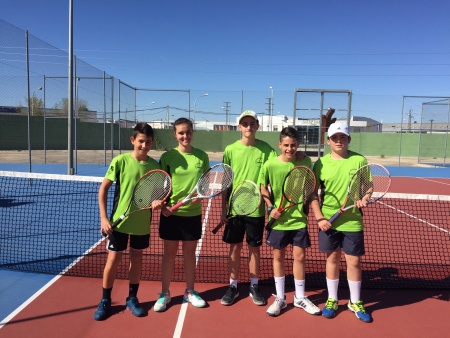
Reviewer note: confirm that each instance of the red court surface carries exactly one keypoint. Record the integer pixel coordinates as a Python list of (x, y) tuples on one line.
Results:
[(66, 308)]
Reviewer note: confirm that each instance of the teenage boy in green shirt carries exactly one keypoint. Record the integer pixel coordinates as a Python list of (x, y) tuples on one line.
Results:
[(333, 172)]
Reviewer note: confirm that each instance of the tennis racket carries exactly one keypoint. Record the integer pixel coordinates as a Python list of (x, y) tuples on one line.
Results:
[(298, 186), (370, 183), (244, 200), (213, 182), (152, 186)]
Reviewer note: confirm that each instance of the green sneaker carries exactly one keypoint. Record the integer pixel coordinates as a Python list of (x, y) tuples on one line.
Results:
[(329, 310), (360, 311)]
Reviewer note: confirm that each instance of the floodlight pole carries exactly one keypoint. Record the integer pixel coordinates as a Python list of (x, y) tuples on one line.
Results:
[(70, 169)]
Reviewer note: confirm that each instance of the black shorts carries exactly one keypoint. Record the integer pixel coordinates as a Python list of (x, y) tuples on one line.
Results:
[(280, 239), (251, 227), (118, 241), (180, 228), (351, 242)]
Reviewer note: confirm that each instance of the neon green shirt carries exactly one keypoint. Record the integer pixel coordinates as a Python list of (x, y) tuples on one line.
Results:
[(185, 169), (334, 177), (274, 171), (247, 162), (125, 170)]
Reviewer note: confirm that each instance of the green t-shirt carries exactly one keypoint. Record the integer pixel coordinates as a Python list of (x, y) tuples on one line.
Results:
[(334, 177), (274, 171), (247, 162), (125, 170), (185, 169)]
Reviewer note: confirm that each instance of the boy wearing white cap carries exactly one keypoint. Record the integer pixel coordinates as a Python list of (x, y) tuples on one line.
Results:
[(333, 172), (246, 156)]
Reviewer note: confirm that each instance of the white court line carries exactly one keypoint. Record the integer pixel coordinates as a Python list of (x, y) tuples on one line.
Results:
[(427, 179), (417, 218), (184, 305), (46, 286)]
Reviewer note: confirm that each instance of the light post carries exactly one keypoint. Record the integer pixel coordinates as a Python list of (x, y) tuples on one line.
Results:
[(195, 104), (271, 108), (206, 125), (143, 110)]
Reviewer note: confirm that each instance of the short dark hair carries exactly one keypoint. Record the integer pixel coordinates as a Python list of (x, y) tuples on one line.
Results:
[(143, 128), (182, 120), (288, 132)]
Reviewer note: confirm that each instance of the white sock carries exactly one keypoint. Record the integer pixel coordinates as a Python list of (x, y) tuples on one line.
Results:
[(254, 281), (299, 288), (332, 286), (234, 282), (279, 286), (355, 290)]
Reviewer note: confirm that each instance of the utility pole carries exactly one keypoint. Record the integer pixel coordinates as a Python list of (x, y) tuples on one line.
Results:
[(168, 117), (227, 109), (269, 109)]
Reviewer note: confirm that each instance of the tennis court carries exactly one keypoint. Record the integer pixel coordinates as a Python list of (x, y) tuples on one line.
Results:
[(51, 227)]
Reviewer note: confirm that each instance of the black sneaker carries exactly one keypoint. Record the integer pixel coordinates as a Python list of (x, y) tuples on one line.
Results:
[(257, 296), (230, 296)]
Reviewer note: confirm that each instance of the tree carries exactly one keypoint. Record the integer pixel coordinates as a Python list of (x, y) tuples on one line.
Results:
[(63, 106)]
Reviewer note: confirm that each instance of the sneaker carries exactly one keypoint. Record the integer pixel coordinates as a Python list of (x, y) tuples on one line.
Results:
[(161, 303), (305, 304), (103, 309), (360, 311), (278, 305), (230, 296), (256, 294), (135, 307), (329, 310), (194, 298)]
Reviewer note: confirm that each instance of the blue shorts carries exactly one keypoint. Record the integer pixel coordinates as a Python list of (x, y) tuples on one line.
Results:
[(280, 239), (351, 242), (118, 241), (180, 228), (251, 227)]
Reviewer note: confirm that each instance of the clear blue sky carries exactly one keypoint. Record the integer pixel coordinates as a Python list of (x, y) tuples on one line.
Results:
[(380, 49)]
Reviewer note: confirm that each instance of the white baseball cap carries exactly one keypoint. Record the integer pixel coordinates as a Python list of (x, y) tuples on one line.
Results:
[(250, 113), (338, 127)]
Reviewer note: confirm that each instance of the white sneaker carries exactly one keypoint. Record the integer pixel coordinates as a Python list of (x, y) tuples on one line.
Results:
[(305, 304), (161, 303), (278, 305), (194, 298)]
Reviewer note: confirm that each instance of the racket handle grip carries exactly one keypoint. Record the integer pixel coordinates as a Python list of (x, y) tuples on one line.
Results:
[(176, 206), (117, 221), (335, 216), (115, 224), (217, 228), (270, 224)]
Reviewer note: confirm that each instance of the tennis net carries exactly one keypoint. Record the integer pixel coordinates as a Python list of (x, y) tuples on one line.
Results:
[(50, 224)]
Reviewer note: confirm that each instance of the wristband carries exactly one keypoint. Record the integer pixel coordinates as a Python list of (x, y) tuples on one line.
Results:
[(269, 210), (321, 219)]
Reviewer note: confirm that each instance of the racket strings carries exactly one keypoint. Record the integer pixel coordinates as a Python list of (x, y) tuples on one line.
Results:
[(155, 186), (245, 199), (299, 185), (215, 181), (370, 182)]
